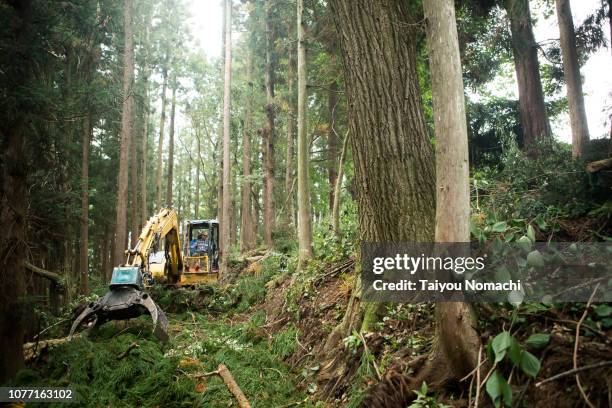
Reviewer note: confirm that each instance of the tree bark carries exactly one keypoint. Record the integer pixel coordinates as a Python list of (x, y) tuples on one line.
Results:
[(392, 154), (160, 143), (196, 205), (571, 70), (269, 134), (247, 227), (289, 209), (304, 227), (84, 249), (126, 135), (227, 190), (145, 130), (457, 341), (170, 180), (134, 187), (534, 119)]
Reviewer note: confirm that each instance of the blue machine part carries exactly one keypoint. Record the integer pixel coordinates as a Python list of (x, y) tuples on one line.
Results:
[(126, 276)]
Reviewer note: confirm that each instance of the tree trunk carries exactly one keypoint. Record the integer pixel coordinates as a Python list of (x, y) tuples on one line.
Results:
[(269, 134), (338, 189), (84, 249), (126, 135), (289, 209), (247, 227), (457, 341), (105, 253), (332, 141), (134, 187), (170, 179), (392, 154), (160, 143), (196, 206), (145, 132), (534, 118), (227, 189), (304, 227), (571, 70)]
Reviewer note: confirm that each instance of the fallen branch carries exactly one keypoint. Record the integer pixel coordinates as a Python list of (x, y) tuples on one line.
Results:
[(594, 167), (131, 347), (52, 276), (574, 371), (575, 356), (228, 379)]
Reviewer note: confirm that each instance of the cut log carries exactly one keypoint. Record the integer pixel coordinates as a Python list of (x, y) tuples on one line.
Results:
[(228, 379), (594, 167)]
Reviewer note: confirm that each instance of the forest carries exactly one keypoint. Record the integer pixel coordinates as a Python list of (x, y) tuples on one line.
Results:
[(233, 159)]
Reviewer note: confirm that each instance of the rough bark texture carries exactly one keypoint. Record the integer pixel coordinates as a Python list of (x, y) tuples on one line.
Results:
[(534, 118), (247, 227), (304, 227), (392, 154), (134, 186), (571, 71), (289, 168), (269, 135), (126, 135), (196, 204), (457, 341), (227, 176), (160, 143), (84, 221), (170, 178)]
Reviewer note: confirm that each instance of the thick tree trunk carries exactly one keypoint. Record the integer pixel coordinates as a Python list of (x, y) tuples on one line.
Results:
[(247, 227), (126, 135), (170, 178), (289, 209), (304, 227), (571, 70), (160, 143), (332, 141), (534, 118), (269, 134), (392, 154), (457, 341), (84, 249), (227, 176)]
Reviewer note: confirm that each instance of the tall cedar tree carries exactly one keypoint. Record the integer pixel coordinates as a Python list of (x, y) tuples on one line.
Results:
[(304, 227), (160, 142), (227, 190), (269, 132), (456, 340), (534, 119), (247, 226), (126, 135), (170, 178), (571, 71)]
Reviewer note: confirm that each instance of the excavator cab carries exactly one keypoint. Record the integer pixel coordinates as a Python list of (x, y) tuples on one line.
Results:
[(201, 252)]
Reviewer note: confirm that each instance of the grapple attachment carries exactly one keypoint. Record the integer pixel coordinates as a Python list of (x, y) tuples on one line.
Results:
[(125, 299)]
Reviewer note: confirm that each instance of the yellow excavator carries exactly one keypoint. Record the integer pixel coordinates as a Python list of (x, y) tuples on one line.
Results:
[(157, 257)]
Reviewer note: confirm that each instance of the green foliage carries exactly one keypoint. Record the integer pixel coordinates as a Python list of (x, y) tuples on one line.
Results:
[(424, 400)]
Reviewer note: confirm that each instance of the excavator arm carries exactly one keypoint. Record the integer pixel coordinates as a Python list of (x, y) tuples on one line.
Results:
[(127, 297)]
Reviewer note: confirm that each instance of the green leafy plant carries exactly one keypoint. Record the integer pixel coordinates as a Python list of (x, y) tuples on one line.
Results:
[(425, 401)]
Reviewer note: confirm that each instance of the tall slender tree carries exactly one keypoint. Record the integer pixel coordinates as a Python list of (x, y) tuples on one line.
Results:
[(289, 177), (304, 227), (247, 227), (170, 178), (145, 126), (571, 70), (227, 190), (457, 342), (160, 143), (126, 135), (534, 119), (269, 131)]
